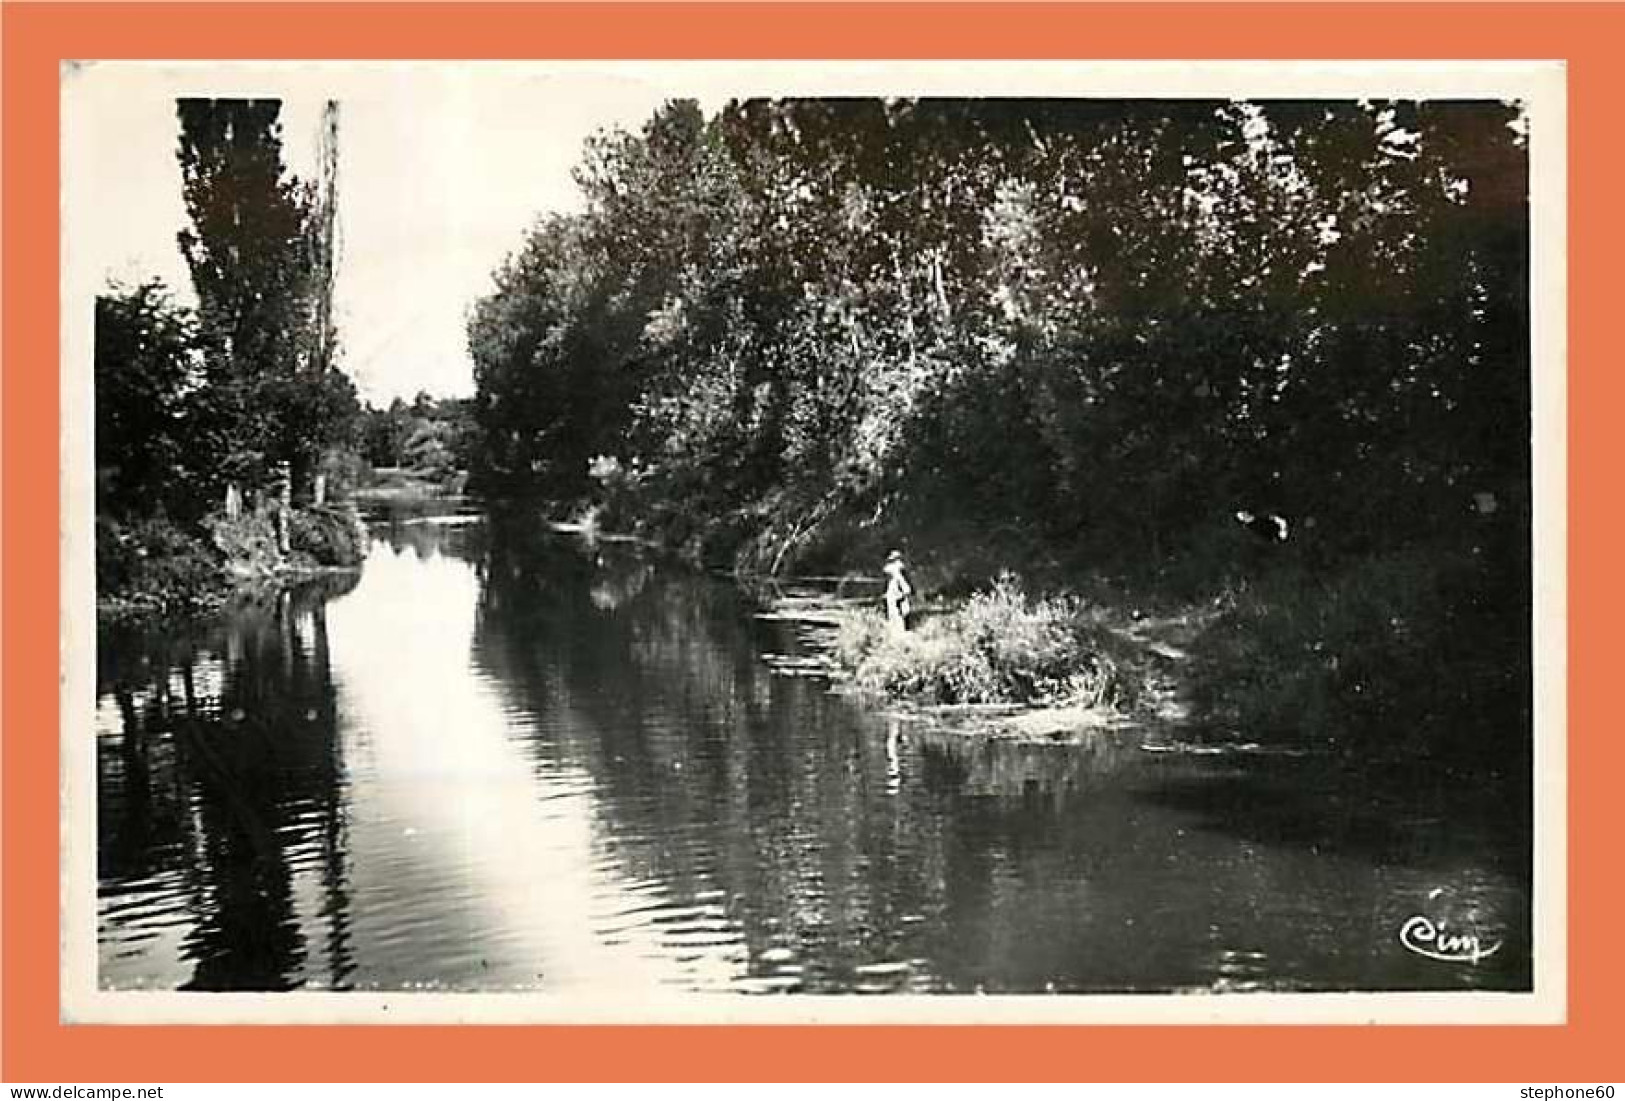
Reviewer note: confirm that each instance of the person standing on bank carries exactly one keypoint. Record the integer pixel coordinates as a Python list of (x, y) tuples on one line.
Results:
[(898, 591)]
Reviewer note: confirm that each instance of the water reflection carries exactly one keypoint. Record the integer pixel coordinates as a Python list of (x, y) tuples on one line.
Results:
[(222, 850), (508, 760)]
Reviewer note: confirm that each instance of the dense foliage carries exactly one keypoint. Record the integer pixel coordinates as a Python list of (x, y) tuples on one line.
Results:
[(260, 251), (1073, 337), (1087, 328), (153, 448), (191, 402)]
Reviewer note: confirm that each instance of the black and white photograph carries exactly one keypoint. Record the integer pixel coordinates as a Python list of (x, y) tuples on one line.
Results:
[(710, 540)]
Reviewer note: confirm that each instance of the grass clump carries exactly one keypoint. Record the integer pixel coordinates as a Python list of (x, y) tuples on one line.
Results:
[(1001, 647)]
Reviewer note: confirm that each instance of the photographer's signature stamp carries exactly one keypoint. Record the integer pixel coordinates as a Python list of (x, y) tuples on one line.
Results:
[(1426, 937)]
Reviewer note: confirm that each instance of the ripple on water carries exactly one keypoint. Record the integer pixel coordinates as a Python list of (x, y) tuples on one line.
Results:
[(530, 767)]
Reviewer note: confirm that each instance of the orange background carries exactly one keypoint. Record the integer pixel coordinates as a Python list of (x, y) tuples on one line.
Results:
[(37, 1048)]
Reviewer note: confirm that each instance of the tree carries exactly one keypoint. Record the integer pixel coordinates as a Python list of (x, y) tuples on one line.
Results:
[(260, 248), (150, 455), (1093, 327)]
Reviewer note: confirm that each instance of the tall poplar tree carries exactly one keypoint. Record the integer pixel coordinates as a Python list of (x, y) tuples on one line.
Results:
[(260, 250)]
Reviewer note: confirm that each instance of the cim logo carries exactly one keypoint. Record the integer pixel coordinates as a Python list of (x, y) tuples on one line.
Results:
[(1426, 937)]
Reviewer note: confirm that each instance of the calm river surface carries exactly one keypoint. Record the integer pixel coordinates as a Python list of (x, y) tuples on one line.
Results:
[(502, 759)]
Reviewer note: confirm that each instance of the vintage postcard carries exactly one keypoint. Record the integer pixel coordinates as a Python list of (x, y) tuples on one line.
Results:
[(730, 542)]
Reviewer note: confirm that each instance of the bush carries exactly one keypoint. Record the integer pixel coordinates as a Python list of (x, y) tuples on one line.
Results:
[(329, 535), (248, 543), (150, 567), (1396, 651), (1001, 647)]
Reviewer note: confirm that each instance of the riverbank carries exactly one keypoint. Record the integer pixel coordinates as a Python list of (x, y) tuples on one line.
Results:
[(398, 486), (154, 569), (1390, 660)]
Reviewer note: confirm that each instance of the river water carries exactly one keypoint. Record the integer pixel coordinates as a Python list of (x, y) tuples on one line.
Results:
[(503, 758)]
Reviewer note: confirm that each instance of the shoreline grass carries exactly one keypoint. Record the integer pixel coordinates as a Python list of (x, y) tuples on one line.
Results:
[(1001, 646)]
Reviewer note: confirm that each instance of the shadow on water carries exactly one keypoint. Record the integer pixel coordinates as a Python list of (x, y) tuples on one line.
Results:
[(677, 812), (220, 796), (1423, 820), (1447, 848), (722, 784), (961, 864)]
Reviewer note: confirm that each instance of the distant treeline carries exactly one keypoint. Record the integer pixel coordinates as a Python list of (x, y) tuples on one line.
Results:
[(1083, 331), (431, 437)]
